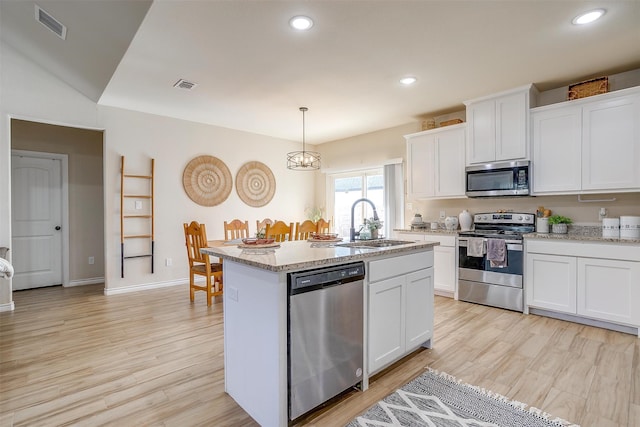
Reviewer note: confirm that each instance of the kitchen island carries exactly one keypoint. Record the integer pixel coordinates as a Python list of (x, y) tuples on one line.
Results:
[(256, 313)]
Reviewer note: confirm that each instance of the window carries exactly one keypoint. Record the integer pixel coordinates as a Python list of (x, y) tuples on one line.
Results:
[(345, 189)]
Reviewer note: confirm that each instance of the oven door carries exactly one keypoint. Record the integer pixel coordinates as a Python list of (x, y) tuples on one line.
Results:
[(479, 268)]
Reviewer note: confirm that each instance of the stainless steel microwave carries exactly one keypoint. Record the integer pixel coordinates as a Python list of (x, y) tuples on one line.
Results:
[(498, 179)]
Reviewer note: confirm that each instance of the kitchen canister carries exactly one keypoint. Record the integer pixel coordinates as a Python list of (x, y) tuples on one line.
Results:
[(611, 227), (542, 225), (630, 227), (466, 220)]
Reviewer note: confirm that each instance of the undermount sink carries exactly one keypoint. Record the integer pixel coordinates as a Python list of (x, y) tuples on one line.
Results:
[(382, 243)]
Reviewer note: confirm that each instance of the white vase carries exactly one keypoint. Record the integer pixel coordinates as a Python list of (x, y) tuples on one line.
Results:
[(451, 223), (466, 220)]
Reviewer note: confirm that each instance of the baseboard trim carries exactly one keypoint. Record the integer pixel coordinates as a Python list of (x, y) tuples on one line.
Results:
[(144, 287), (7, 307), (82, 282), (586, 321)]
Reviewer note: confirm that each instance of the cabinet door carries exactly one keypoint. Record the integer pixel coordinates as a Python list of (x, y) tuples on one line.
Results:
[(444, 259), (481, 132), (611, 144), (421, 160), (386, 322), (550, 282), (511, 127), (557, 140), (609, 290), (449, 162), (419, 308)]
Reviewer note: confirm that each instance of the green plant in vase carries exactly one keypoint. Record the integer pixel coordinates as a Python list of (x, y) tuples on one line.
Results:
[(559, 224), (373, 225)]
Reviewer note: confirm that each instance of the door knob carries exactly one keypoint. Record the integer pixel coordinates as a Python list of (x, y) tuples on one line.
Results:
[(58, 227)]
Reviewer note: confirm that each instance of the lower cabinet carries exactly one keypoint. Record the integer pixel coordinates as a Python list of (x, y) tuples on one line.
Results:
[(400, 316), (575, 279), (551, 282), (609, 290), (444, 260)]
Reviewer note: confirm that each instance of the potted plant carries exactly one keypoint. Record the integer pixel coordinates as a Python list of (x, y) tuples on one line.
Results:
[(373, 225), (559, 224)]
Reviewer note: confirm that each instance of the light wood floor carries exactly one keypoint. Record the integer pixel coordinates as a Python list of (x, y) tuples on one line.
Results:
[(75, 356)]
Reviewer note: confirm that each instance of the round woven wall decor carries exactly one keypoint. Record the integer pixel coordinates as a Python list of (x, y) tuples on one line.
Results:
[(207, 180), (255, 184)]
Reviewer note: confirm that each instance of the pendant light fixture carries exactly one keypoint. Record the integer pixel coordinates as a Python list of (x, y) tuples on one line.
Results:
[(303, 160)]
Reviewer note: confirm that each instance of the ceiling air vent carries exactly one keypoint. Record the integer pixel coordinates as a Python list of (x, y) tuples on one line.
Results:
[(43, 17), (183, 84)]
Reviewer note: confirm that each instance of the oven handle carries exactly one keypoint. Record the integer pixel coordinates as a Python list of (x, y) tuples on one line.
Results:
[(512, 245)]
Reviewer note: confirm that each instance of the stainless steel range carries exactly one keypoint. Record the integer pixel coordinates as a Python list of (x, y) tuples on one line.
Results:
[(491, 262)]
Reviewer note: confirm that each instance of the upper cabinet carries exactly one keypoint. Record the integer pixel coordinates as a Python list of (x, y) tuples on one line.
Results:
[(497, 126), (436, 163), (591, 145)]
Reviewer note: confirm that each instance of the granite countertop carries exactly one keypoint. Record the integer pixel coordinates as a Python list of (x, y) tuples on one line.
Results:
[(427, 231), (581, 237), (299, 255)]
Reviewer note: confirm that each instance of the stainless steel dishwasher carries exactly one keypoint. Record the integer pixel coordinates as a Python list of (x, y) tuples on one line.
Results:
[(325, 325)]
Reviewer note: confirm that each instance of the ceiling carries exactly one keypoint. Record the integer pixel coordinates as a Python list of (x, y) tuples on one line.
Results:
[(253, 71)]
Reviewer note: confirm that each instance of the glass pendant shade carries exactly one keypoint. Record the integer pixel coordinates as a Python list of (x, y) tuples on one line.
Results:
[(303, 160)]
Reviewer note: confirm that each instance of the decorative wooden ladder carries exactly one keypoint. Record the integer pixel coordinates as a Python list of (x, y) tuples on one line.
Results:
[(124, 215)]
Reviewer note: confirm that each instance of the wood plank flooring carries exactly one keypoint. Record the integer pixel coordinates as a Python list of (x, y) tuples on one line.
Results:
[(76, 357)]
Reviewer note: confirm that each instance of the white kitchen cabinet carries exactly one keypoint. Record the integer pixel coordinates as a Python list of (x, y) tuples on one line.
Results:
[(591, 145), (445, 264), (386, 322), (557, 141), (436, 163), (551, 282), (400, 301), (419, 308), (609, 290), (611, 144), (421, 170), (497, 126), (598, 281)]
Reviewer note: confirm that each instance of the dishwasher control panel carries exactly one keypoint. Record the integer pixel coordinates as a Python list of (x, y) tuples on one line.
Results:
[(325, 276)]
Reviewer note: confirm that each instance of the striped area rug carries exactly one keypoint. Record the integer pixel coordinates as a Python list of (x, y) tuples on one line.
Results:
[(436, 399)]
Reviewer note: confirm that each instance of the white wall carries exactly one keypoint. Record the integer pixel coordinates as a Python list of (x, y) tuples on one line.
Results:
[(173, 143), (30, 92)]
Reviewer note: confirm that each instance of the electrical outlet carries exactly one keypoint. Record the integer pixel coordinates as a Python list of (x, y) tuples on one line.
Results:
[(443, 214), (409, 206), (232, 292), (168, 262), (138, 204), (602, 213), (92, 260)]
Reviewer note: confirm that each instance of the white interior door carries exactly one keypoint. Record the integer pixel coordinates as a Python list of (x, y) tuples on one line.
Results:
[(36, 220)]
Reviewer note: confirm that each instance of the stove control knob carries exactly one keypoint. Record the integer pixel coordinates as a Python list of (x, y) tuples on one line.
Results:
[(520, 218)]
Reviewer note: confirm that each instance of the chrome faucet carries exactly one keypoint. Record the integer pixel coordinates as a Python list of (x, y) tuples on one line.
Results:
[(352, 230)]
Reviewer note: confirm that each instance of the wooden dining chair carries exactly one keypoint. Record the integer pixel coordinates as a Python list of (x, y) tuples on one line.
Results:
[(262, 225), (199, 264), (280, 231), (323, 226), (236, 229), (304, 230)]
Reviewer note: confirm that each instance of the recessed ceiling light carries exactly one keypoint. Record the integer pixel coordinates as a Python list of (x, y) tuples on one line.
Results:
[(301, 23), (408, 80), (588, 17)]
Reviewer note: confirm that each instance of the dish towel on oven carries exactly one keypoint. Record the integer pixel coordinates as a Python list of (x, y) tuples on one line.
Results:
[(497, 252), (475, 247)]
